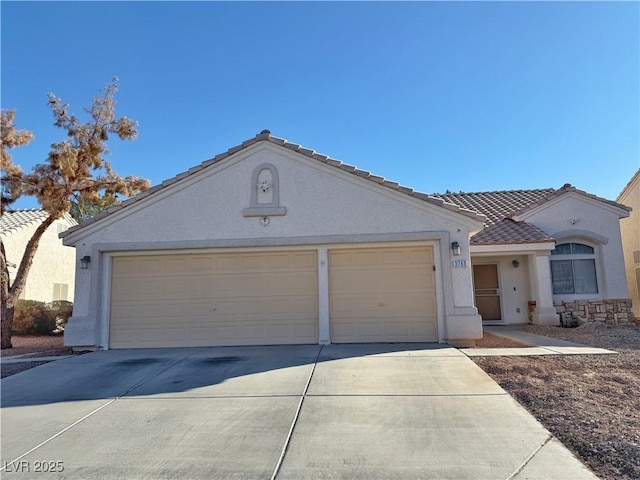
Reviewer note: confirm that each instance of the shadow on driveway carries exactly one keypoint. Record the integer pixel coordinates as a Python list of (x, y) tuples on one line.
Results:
[(199, 372)]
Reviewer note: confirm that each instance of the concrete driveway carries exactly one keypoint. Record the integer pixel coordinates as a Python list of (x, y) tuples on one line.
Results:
[(296, 412)]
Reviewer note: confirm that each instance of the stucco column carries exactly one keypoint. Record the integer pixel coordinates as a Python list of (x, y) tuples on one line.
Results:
[(545, 312), (324, 335), (463, 325)]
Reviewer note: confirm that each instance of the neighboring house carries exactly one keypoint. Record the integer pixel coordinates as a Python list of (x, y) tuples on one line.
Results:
[(52, 272), (630, 228), (273, 243)]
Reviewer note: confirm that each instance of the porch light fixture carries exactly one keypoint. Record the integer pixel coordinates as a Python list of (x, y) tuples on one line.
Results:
[(84, 262), (515, 263), (455, 248)]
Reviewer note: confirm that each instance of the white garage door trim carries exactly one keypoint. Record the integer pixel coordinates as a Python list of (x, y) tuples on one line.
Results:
[(106, 252), (383, 294)]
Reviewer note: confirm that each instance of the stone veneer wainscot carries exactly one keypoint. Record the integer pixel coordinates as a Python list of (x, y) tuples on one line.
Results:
[(610, 311)]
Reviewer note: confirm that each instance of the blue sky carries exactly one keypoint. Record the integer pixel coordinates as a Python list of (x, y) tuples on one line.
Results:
[(435, 95)]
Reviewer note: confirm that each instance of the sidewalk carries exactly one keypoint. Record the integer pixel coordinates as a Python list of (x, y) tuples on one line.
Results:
[(537, 345), (25, 359)]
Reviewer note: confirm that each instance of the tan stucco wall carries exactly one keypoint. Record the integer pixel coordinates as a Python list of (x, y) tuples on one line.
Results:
[(53, 262), (630, 229)]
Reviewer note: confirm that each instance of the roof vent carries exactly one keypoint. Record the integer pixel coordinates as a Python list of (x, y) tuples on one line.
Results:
[(265, 132)]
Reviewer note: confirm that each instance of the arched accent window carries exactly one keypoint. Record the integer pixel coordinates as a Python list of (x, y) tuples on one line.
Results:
[(265, 193), (573, 269)]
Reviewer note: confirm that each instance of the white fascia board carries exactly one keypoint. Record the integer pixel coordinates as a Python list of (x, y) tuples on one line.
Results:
[(620, 212), (630, 187), (521, 248)]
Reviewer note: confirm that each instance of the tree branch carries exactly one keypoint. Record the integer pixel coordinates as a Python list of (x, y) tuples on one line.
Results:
[(27, 260)]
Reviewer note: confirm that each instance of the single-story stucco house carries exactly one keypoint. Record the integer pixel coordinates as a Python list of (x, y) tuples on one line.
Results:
[(630, 228), (273, 243), (52, 272)]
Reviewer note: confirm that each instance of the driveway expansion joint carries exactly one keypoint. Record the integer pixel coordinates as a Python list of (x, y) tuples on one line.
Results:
[(295, 417), (111, 400), (14, 462), (515, 474)]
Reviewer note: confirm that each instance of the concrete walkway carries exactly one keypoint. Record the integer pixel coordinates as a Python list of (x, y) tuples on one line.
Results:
[(538, 345), (26, 359), (368, 411)]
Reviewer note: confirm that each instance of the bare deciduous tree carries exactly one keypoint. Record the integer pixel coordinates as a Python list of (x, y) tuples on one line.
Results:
[(75, 170)]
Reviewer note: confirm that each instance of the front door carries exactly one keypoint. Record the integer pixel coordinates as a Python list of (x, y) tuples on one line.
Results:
[(487, 291)]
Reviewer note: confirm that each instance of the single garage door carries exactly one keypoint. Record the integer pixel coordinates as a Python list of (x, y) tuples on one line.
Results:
[(183, 300), (382, 295)]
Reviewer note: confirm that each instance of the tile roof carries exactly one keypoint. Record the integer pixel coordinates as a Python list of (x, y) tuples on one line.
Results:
[(16, 220), (501, 207), (265, 135), (12, 222), (567, 188), (509, 232), (497, 205), (494, 207)]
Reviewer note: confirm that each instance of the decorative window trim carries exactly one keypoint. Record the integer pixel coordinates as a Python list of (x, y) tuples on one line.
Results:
[(271, 209), (576, 257), (565, 235)]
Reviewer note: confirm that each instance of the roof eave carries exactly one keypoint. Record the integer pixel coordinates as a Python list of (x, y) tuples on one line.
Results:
[(265, 135), (621, 210)]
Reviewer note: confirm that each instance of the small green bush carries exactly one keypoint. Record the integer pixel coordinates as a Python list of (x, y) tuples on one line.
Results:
[(39, 318)]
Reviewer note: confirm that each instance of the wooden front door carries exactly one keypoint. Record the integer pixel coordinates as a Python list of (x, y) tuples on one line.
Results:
[(487, 291)]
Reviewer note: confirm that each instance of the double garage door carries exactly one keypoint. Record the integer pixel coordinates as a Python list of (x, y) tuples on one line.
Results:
[(271, 298)]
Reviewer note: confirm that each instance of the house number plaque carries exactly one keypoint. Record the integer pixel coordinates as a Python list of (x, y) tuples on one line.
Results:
[(459, 264)]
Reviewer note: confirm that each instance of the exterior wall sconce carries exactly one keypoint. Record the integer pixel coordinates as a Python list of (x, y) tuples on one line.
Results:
[(84, 262), (515, 263), (455, 248)]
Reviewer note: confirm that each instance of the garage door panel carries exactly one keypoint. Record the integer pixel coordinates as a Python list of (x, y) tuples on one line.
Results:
[(392, 283), (403, 304), (250, 285), (214, 299), (265, 306), (397, 330), (382, 295)]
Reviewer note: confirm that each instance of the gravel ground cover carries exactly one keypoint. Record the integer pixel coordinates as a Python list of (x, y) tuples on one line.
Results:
[(591, 403), (35, 344), (494, 341)]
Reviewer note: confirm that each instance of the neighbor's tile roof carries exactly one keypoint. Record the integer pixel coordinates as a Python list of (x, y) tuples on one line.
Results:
[(14, 221), (265, 135)]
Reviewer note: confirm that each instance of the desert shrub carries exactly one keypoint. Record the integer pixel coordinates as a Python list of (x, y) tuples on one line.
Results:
[(61, 310), (39, 318)]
